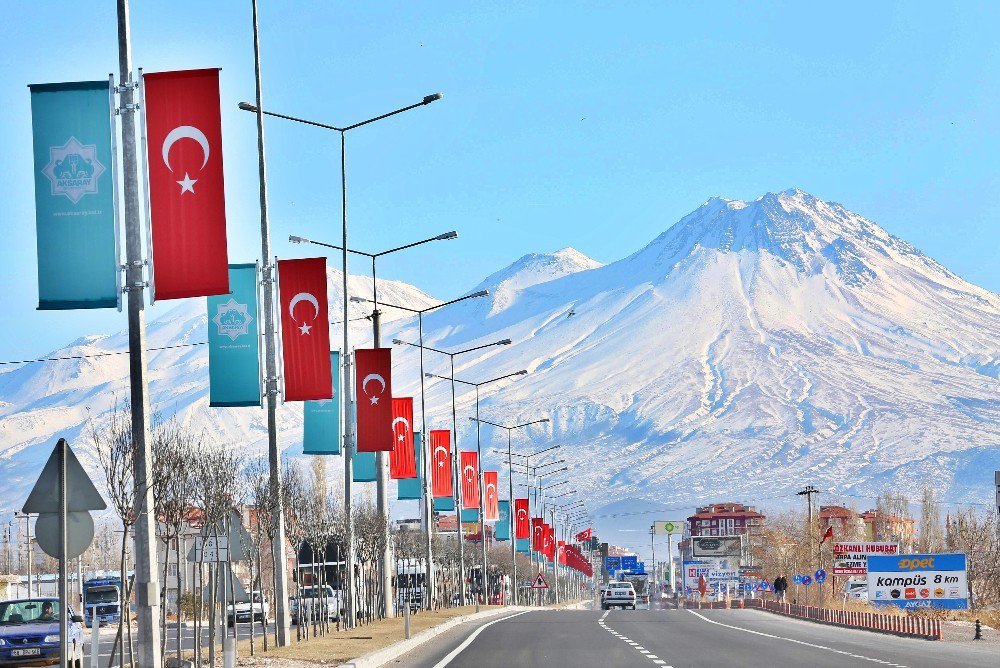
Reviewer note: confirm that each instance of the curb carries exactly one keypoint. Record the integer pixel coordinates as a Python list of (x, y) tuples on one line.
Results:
[(382, 656)]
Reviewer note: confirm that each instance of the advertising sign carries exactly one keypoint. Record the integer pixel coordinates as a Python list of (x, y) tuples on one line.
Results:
[(692, 570), (716, 546), (852, 558), (661, 528), (728, 575), (912, 581)]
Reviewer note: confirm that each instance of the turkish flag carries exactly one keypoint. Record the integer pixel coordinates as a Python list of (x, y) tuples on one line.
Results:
[(584, 535), (522, 522), (401, 461), (828, 534), (373, 397), (547, 540), (305, 329), (491, 505), (441, 463), (537, 534), (187, 200), (561, 552), (470, 479)]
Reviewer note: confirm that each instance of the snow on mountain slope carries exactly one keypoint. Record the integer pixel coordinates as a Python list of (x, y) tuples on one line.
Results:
[(39, 402), (751, 348)]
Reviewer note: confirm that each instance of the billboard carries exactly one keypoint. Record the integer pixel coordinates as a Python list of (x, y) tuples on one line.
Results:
[(716, 546), (913, 581), (852, 558), (661, 528), (691, 571)]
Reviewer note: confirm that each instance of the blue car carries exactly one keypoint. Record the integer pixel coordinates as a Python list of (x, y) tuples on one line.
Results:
[(29, 633)]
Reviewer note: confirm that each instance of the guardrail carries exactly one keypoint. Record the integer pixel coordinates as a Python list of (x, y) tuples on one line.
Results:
[(911, 627)]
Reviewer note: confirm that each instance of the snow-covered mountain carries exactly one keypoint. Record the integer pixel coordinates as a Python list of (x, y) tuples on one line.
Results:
[(751, 348)]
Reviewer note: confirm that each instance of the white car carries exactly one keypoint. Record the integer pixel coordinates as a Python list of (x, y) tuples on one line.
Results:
[(259, 607), (618, 595), (316, 599)]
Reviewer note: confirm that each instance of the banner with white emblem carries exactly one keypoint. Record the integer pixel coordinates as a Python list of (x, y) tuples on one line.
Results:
[(373, 393), (305, 329), (187, 199), (75, 195), (234, 342), (402, 463), (321, 419)]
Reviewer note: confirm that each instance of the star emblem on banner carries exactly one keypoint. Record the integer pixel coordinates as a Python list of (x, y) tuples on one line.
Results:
[(305, 328), (187, 184)]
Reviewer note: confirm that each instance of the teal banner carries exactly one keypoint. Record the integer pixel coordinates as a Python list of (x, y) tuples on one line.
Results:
[(444, 504), (470, 515), (364, 466), (321, 419), (522, 545), (75, 195), (234, 342), (409, 488), (501, 530)]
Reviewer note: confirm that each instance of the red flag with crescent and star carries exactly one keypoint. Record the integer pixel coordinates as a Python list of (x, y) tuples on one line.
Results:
[(584, 535), (187, 200), (373, 397), (440, 444), (522, 521), (402, 464), (305, 329), (491, 504), (470, 479), (561, 552), (537, 533)]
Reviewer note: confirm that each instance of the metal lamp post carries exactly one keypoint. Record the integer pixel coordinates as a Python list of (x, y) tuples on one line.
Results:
[(510, 484), (348, 431), (428, 514), (454, 429), (381, 461)]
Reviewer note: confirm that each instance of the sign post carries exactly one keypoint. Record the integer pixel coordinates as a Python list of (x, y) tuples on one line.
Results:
[(64, 528)]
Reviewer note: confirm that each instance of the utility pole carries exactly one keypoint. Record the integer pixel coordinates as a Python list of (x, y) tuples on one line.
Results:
[(271, 370), (808, 493), (145, 585), (652, 547)]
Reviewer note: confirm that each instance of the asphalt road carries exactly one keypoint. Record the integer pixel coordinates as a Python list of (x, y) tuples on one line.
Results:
[(681, 638), (108, 634)]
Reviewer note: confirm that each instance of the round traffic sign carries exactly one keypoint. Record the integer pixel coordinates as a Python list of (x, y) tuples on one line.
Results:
[(820, 576), (79, 533), (806, 580)]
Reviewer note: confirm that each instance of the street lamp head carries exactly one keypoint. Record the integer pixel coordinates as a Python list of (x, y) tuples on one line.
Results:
[(524, 372), (397, 342), (246, 106), (432, 98), (360, 300), (297, 240), (481, 293), (505, 342), (446, 236)]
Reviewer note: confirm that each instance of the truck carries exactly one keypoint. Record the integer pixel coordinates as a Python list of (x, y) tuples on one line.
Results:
[(102, 601), (411, 577), (640, 582)]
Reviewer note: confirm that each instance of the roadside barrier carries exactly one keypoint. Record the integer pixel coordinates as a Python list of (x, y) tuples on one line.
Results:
[(910, 627)]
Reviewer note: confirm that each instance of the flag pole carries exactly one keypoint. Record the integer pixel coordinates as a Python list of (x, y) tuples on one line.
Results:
[(146, 587), (271, 385)]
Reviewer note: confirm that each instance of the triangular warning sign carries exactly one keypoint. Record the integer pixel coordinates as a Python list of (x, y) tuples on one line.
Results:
[(81, 493), (539, 583)]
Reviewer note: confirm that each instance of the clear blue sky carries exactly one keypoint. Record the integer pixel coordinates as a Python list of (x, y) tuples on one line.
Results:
[(595, 125)]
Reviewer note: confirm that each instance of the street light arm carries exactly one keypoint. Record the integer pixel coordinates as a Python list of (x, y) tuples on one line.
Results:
[(246, 106), (427, 100), (440, 237), (434, 375), (535, 454), (481, 293), (531, 423), (302, 240)]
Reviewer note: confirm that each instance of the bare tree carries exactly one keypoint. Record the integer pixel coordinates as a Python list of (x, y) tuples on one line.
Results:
[(978, 536), (931, 526), (115, 449)]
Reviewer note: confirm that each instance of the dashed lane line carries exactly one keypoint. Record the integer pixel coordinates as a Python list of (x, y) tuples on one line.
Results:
[(645, 652), (799, 642)]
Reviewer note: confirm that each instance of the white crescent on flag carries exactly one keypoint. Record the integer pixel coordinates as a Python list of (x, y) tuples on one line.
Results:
[(469, 471), (364, 386), (489, 487), (444, 455), (521, 512), (303, 297), (405, 422)]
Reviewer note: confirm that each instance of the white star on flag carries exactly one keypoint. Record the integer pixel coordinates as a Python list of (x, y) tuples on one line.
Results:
[(374, 400), (305, 328), (187, 185)]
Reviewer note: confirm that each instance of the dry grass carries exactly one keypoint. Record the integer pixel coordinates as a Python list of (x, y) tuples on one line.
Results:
[(339, 646)]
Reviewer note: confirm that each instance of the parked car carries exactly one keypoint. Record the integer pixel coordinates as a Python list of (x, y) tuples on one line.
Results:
[(618, 595), (259, 606), (318, 599), (29, 633)]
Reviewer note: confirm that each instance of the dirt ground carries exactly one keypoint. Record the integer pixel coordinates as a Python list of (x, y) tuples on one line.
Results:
[(340, 646)]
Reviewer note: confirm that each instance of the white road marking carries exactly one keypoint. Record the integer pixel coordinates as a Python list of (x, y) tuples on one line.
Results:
[(797, 642), (468, 641)]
